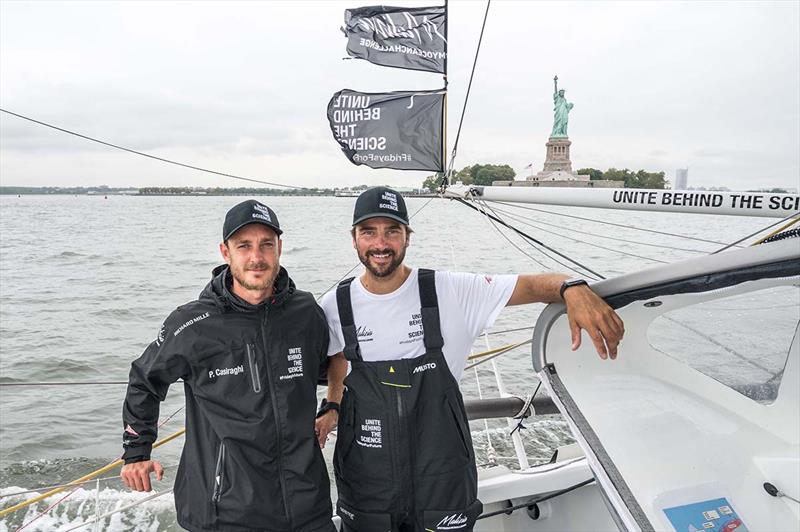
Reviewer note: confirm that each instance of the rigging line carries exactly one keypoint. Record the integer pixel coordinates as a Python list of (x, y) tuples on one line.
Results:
[(495, 355), (518, 329), (163, 160), (534, 502), (348, 272), (482, 211), (47, 510), (776, 231), (466, 98), (497, 349), (560, 263), (632, 227), (77, 482), (71, 484), (61, 383), (172, 415), (524, 222), (513, 244), (121, 509), (770, 226), (659, 246), (490, 452), (532, 239)]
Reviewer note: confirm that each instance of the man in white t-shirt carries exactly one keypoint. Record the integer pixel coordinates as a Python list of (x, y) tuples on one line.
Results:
[(404, 458)]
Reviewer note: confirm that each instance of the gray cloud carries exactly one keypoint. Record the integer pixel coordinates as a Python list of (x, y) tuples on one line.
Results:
[(243, 87)]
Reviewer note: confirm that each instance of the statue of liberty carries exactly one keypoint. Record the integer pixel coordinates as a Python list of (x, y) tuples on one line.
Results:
[(561, 112)]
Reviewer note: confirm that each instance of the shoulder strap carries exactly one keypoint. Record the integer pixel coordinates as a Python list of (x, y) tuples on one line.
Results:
[(429, 307), (345, 306)]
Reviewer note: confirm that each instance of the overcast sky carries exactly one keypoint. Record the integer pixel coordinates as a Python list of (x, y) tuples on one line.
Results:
[(243, 87)]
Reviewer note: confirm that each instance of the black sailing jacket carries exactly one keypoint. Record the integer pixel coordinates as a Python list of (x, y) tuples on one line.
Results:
[(251, 459)]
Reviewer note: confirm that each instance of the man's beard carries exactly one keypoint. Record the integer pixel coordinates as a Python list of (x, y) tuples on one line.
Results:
[(239, 275), (387, 270)]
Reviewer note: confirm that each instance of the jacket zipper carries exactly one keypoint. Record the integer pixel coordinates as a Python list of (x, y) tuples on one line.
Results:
[(401, 425), (277, 421), (218, 474), (251, 357)]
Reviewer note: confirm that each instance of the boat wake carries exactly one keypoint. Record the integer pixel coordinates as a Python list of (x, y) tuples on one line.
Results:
[(79, 511)]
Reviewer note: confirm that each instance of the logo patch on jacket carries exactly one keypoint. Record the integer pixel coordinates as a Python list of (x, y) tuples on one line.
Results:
[(371, 434), (192, 321), (221, 372), (452, 522), (295, 361), (424, 367), (160, 337)]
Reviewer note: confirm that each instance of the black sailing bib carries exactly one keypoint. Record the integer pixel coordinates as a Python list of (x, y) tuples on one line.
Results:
[(404, 458)]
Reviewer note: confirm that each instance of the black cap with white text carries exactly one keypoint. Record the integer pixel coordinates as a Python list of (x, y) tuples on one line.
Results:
[(249, 212), (380, 202)]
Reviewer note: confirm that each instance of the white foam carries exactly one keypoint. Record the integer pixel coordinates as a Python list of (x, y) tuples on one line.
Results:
[(80, 507)]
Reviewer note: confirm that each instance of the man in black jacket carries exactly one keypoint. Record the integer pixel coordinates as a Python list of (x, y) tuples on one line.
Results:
[(249, 351)]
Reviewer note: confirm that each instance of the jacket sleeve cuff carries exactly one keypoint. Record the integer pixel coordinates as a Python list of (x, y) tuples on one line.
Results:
[(140, 453)]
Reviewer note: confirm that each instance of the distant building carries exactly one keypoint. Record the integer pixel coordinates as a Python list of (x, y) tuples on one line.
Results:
[(681, 179)]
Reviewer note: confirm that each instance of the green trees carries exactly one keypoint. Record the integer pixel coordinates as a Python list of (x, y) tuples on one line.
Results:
[(491, 172), (593, 173), (477, 174), (485, 174), (432, 182), (638, 179)]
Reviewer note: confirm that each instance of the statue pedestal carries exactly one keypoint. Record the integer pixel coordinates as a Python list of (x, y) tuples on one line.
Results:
[(557, 164), (557, 159)]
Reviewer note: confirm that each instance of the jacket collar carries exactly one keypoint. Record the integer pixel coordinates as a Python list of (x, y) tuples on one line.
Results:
[(220, 289)]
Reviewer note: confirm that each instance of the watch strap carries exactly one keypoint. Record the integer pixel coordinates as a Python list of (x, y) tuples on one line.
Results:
[(569, 283), (325, 406)]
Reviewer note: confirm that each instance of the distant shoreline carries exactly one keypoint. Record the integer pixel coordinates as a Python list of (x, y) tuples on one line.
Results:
[(183, 191)]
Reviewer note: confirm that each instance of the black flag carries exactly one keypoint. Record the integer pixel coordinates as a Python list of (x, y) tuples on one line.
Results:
[(400, 130), (403, 37)]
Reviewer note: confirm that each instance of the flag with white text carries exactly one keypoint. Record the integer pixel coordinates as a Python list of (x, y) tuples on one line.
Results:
[(400, 130), (402, 37)]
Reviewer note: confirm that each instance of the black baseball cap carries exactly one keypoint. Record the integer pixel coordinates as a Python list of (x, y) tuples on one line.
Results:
[(380, 202), (249, 212)]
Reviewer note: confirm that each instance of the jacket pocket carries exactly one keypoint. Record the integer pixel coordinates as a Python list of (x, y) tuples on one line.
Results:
[(345, 433), (255, 376), (219, 474), (462, 426), (364, 454), (359, 521), (245, 493), (443, 435)]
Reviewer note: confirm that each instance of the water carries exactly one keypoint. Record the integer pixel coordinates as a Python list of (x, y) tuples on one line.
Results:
[(86, 281)]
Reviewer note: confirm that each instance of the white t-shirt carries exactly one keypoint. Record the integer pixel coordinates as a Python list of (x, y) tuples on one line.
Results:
[(389, 326)]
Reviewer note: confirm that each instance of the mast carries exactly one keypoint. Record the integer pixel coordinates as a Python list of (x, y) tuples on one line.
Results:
[(444, 111)]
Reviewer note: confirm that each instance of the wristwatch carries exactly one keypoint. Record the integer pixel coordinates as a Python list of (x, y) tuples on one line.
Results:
[(326, 405), (575, 281)]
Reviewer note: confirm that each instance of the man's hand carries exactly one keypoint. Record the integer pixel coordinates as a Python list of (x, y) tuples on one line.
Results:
[(137, 475), (324, 425), (586, 310)]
